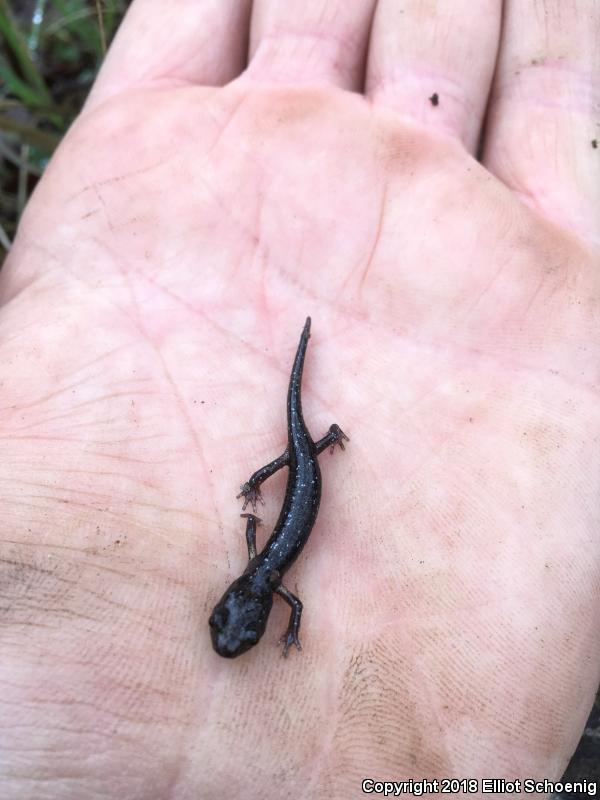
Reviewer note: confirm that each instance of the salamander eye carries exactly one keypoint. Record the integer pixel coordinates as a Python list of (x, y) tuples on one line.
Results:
[(219, 617)]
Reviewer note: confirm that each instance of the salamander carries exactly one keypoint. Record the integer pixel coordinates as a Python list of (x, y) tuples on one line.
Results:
[(239, 619)]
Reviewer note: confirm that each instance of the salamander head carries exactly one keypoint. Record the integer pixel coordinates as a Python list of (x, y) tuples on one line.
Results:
[(239, 618)]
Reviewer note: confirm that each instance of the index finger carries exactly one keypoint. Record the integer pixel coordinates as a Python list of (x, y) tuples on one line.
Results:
[(179, 42)]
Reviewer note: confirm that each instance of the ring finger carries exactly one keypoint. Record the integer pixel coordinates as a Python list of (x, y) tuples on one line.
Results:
[(433, 61)]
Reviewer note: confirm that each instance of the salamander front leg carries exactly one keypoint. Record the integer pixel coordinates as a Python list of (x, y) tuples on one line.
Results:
[(251, 534), (290, 637)]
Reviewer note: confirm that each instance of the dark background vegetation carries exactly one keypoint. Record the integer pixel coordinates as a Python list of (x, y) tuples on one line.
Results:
[(50, 51)]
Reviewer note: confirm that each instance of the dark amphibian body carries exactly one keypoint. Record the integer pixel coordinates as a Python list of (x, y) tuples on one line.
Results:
[(240, 617)]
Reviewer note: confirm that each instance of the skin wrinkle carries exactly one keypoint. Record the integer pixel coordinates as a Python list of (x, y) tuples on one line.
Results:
[(98, 442), (74, 471), (376, 238), (532, 197), (80, 278), (115, 179), (104, 209), (583, 95), (11, 296), (78, 731), (223, 126), (485, 290), (132, 460), (69, 584), (41, 570), (111, 713), (555, 289), (488, 359), (119, 516), (342, 40), (257, 257), (247, 342), (83, 404), (449, 88), (180, 401), (146, 687), (99, 567), (93, 504), (69, 387), (429, 456), (101, 421), (249, 234), (26, 623), (383, 626), (137, 318), (363, 689), (335, 58), (302, 286), (51, 546), (54, 611), (444, 732), (126, 439), (324, 752), (139, 617)]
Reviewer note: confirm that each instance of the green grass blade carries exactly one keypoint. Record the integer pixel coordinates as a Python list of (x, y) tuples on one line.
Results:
[(26, 93), (16, 41), (45, 141)]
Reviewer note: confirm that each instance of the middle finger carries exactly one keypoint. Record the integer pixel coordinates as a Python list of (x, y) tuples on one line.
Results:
[(314, 41)]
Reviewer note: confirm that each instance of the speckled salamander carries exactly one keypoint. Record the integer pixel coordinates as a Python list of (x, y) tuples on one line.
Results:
[(239, 619)]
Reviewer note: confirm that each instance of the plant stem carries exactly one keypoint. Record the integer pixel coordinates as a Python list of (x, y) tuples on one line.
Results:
[(18, 45)]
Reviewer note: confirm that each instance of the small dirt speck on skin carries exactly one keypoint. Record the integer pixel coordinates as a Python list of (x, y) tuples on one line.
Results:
[(434, 99), (595, 144)]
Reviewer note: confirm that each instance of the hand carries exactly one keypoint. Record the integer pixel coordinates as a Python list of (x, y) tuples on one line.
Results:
[(193, 217)]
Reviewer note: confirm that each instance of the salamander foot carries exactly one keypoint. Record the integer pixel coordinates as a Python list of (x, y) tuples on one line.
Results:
[(338, 437), (289, 638), (251, 494)]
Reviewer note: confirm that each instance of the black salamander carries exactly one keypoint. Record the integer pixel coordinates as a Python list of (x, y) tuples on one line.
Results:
[(239, 619)]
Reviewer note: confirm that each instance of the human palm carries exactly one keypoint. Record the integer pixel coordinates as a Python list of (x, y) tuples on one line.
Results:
[(152, 305)]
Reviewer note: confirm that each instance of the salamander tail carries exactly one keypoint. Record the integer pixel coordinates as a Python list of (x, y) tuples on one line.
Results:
[(294, 404)]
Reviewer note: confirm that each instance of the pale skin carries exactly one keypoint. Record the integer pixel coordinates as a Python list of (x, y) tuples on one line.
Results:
[(236, 169)]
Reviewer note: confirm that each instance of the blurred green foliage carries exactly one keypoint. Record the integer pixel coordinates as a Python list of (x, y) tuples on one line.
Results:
[(50, 51)]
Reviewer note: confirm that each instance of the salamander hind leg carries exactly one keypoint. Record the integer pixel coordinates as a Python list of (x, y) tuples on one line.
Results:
[(335, 435), (290, 637), (250, 490), (251, 534)]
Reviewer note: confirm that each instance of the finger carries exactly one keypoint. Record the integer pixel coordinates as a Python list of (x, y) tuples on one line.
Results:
[(543, 133), (434, 61), (322, 41), (182, 41)]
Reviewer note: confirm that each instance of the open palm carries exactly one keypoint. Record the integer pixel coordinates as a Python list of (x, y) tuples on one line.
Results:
[(151, 308)]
